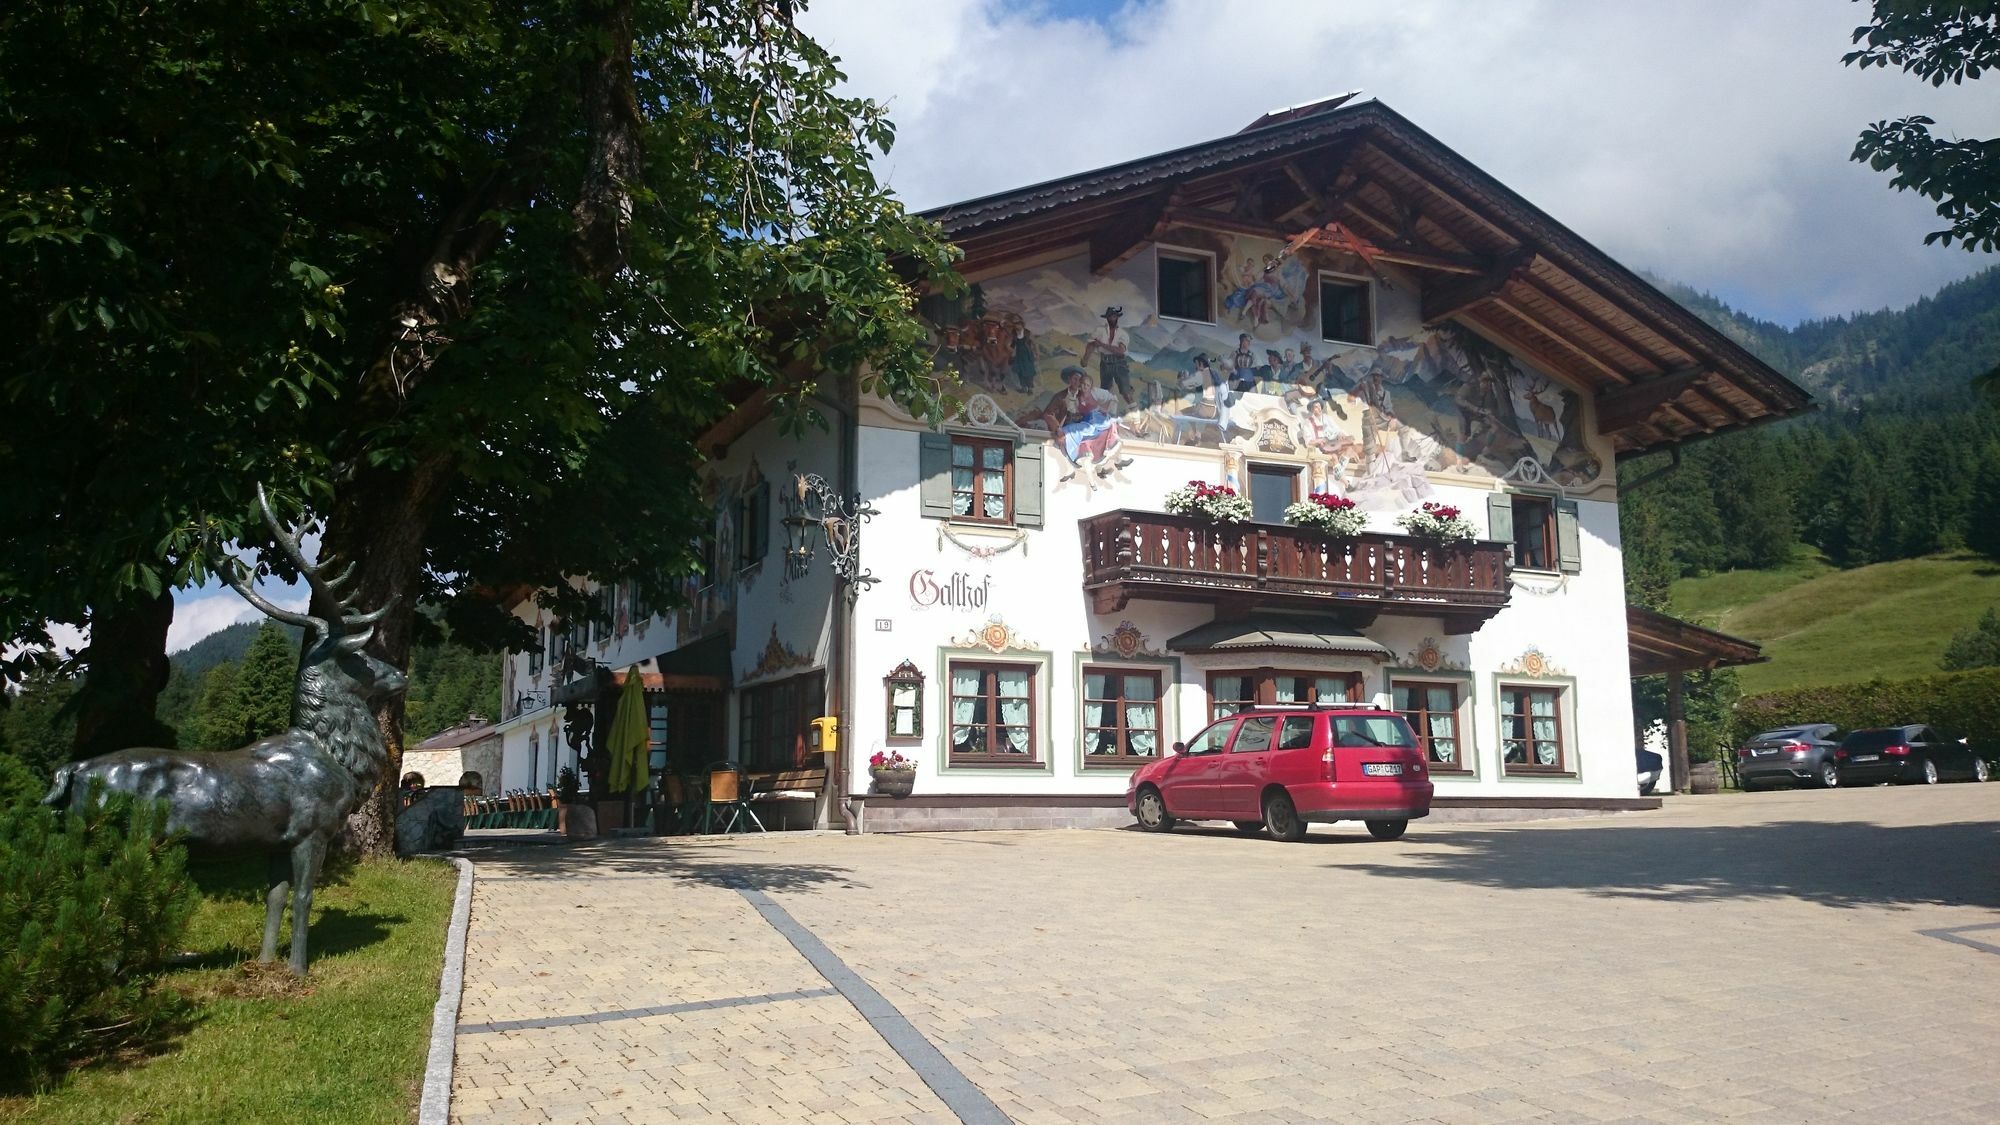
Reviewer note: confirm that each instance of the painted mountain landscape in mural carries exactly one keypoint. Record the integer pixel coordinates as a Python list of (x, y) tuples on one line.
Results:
[(1091, 361)]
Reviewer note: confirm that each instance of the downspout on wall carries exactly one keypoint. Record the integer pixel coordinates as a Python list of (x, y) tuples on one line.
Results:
[(841, 653)]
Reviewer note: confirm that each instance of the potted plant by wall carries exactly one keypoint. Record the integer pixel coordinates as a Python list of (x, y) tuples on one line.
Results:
[(894, 774), (568, 788), (1335, 517), (1216, 503), (1441, 522)]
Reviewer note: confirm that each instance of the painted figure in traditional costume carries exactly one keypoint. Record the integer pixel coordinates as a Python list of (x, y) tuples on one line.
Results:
[(1114, 366), (1024, 359), (1082, 420)]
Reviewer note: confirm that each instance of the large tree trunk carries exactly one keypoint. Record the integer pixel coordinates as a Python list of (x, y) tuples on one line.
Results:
[(380, 523), (128, 665)]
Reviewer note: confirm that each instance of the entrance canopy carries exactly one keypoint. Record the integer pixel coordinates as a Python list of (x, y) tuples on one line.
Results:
[(1274, 632), (1659, 643)]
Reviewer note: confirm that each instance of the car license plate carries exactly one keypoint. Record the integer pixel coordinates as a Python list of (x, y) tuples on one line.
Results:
[(1763, 752), (1868, 757), (1382, 769)]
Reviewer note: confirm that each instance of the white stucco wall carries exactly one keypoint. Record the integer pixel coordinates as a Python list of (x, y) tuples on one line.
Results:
[(1576, 623)]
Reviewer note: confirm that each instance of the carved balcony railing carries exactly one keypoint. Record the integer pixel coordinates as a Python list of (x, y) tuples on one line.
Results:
[(1156, 555)]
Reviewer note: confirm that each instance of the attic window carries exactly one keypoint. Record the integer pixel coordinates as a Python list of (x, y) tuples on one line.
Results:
[(1187, 289), (1346, 310)]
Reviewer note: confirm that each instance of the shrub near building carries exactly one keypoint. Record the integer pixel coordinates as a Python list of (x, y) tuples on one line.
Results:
[(1958, 704)]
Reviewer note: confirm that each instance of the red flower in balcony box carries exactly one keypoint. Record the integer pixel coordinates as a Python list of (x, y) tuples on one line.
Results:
[(1217, 503), (1327, 514), (1436, 521)]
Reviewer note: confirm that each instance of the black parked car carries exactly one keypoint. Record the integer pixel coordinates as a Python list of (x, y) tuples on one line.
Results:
[(1910, 753), (1802, 752)]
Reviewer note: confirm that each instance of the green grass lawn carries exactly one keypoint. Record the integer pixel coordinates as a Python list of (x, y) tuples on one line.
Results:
[(347, 1046), (1713, 598), (1820, 625)]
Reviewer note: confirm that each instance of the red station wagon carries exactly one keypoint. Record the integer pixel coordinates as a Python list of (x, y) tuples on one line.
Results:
[(1280, 768)]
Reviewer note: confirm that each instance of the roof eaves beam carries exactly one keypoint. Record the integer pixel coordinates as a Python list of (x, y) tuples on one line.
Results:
[(1528, 317), (1595, 323), (1621, 407), (1113, 244), (1442, 302)]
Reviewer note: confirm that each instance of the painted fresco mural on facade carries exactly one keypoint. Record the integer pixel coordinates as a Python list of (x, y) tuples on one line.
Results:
[(1090, 362)]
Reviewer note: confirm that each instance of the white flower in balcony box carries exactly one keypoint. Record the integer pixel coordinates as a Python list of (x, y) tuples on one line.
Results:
[(1333, 516), (1436, 521), (1217, 503)]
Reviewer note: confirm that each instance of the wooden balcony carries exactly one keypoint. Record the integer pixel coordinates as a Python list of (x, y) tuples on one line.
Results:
[(1155, 555)]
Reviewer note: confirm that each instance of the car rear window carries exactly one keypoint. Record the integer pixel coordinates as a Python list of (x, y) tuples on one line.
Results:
[(1871, 739), (1776, 735), (1372, 730)]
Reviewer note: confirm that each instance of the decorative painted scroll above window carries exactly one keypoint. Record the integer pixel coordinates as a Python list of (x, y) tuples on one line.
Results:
[(904, 690)]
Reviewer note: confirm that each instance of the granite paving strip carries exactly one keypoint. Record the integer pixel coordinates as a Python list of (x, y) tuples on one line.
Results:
[(1759, 958)]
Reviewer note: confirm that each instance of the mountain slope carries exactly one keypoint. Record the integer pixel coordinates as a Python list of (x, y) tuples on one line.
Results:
[(1824, 626), (1936, 344)]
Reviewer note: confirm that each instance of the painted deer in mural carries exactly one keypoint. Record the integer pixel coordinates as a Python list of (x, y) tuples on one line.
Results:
[(1545, 415), (286, 795)]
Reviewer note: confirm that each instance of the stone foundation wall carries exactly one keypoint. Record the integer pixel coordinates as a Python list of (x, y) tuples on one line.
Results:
[(972, 814)]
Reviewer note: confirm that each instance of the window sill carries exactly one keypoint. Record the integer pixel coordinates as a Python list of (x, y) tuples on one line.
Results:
[(971, 524), (1537, 771), (1124, 764), (1348, 343), (957, 761), (1449, 771), (1186, 320)]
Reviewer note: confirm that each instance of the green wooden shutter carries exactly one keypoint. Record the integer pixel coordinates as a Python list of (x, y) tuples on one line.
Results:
[(1500, 519), (1568, 543), (934, 463), (1028, 484)]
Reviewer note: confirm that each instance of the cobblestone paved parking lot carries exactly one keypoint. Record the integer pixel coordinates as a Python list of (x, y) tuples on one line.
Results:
[(1782, 957)]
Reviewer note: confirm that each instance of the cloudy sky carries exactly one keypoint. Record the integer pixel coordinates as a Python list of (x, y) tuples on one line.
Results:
[(1703, 141)]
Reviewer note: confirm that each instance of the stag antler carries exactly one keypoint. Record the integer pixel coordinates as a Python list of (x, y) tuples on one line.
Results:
[(354, 629)]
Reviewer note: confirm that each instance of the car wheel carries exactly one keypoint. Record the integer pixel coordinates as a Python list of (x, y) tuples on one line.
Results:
[(1927, 773), (1281, 817), (1646, 788), (1152, 811), (1828, 775), (1388, 829), (1749, 786), (1980, 770), (1248, 827)]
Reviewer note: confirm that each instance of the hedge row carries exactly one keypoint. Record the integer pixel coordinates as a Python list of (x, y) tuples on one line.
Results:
[(1957, 704)]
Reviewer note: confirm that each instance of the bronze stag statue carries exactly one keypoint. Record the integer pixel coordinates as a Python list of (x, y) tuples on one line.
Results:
[(289, 794)]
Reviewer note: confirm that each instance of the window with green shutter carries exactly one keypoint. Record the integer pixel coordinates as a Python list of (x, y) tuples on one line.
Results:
[(978, 479)]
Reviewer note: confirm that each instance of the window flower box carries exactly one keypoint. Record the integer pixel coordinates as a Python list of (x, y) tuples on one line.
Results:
[(1442, 522), (1335, 517), (1217, 503)]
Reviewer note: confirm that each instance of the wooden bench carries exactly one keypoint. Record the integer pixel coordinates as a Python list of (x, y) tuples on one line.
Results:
[(787, 789)]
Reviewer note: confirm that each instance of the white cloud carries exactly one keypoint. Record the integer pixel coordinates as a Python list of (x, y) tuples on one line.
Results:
[(1705, 141), (197, 614)]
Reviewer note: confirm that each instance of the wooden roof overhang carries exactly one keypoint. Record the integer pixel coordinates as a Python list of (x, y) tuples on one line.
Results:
[(1659, 643), (1658, 374)]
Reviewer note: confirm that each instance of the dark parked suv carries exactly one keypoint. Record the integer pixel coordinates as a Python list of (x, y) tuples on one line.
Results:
[(1803, 752), (1911, 753)]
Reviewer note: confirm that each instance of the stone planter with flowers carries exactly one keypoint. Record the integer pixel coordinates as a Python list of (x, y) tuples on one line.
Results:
[(894, 774)]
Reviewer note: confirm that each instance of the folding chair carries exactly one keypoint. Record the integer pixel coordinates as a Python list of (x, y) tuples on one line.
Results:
[(729, 791)]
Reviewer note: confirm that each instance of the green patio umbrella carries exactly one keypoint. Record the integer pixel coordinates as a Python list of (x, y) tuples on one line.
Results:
[(630, 737)]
